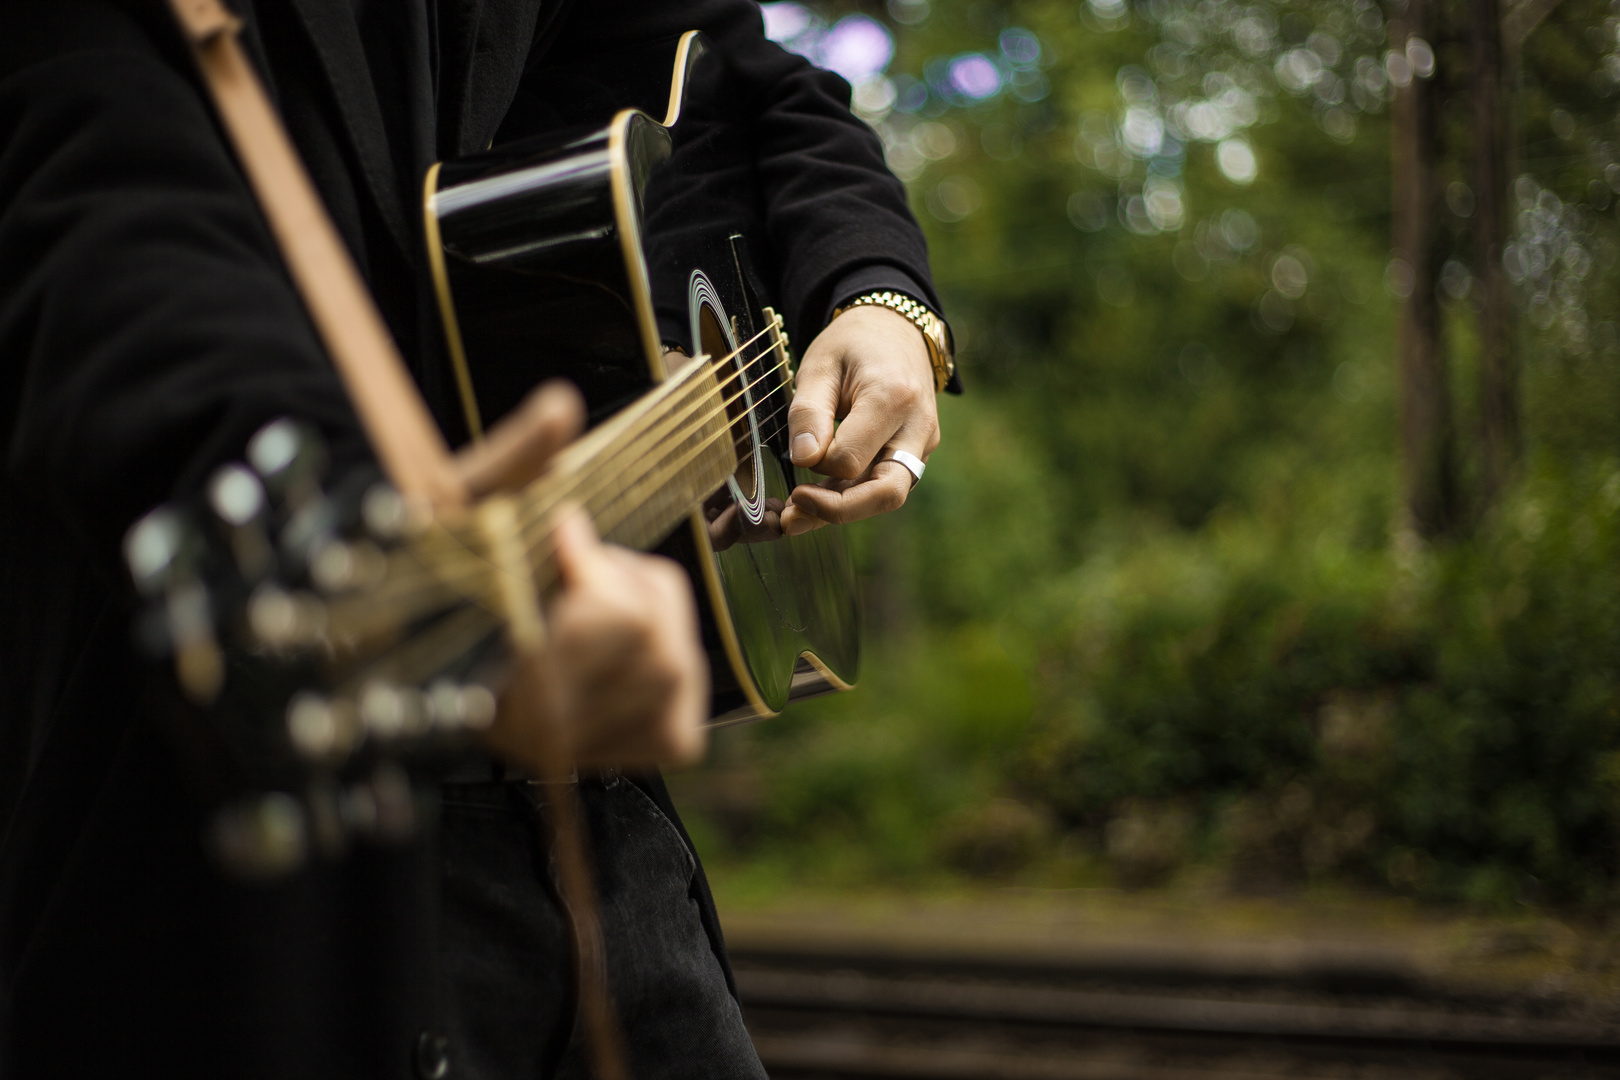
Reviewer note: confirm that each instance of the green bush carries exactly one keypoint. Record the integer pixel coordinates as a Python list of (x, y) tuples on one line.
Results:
[(1448, 721)]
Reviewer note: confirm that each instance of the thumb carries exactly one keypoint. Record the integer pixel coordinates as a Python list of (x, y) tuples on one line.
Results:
[(815, 405)]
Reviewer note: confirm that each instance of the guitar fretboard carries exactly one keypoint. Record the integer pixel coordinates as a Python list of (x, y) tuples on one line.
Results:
[(636, 475)]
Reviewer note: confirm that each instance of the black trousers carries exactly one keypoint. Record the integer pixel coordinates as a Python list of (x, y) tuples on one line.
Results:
[(505, 949)]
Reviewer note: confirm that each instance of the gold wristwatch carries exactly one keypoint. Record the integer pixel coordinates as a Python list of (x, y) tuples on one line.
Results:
[(934, 332)]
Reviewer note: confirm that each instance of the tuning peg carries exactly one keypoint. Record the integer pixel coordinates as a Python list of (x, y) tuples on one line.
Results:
[(383, 807), (323, 803), (236, 495), (199, 664), (283, 621), (384, 512), (161, 551), (260, 838), (153, 547), (389, 711), (340, 565), (290, 457), (322, 730), (455, 708), (237, 498)]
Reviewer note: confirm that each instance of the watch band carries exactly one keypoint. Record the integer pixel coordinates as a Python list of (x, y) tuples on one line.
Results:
[(934, 331)]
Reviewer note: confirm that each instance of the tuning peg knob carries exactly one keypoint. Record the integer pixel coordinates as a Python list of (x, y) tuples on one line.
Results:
[(384, 512), (455, 708), (390, 711), (260, 838), (290, 457), (382, 808), (236, 495), (237, 498), (283, 621), (319, 729), (160, 550), (338, 565), (153, 547)]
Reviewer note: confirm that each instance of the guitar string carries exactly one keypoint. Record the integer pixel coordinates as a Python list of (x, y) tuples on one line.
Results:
[(660, 469), (663, 424), (673, 426), (603, 512), (638, 443), (644, 453), (603, 478), (483, 601), (407, 587), (606, 522)]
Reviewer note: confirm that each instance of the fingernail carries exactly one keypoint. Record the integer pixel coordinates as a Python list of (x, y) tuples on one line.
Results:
[(804, 446)]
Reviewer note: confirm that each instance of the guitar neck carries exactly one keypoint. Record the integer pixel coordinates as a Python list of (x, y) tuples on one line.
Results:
[(636, 475), (639, 473)]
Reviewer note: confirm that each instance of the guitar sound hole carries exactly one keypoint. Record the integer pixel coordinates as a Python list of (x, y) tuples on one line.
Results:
[(715, 343), (737, 377)]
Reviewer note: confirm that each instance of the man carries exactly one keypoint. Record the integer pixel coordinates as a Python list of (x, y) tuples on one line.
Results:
[(148, 328)]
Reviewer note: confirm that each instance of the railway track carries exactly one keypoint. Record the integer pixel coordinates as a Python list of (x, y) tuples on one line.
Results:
[(817, 1012)]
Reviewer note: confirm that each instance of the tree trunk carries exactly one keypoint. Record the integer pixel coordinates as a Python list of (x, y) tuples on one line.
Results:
[(1429, 472), (1498, 366)]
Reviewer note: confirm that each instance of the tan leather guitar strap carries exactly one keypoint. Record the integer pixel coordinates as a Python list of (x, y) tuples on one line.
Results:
[(408, 443)]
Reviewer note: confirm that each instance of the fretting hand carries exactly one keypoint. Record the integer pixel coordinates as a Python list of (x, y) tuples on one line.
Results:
[(868, 369), (622, 675)]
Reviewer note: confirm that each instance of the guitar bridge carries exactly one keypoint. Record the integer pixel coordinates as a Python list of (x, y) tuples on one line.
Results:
[(775, 329)]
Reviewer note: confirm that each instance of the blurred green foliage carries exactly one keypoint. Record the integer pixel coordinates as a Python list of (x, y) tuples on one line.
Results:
[(1153, 607)]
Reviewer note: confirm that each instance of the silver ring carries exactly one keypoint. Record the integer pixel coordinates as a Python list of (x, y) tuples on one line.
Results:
[(913, 464)]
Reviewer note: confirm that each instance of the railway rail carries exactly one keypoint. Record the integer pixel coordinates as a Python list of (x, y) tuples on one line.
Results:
[(818, 1012)]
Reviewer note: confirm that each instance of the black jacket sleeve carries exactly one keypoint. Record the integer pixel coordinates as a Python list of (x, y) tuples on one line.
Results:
[(147, 326), (833, 211)]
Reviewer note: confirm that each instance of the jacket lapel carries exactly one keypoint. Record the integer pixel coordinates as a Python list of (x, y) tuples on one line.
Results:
[(484, 46), (336, 40)]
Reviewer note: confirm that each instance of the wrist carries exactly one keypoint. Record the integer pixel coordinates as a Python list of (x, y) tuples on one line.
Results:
[(936, 335)]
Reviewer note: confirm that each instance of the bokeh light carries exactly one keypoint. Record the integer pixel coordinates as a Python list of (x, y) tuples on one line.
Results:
[(975, 77)]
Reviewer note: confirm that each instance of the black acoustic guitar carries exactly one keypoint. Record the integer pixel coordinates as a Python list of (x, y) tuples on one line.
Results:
[(613, 256), (601, 255)]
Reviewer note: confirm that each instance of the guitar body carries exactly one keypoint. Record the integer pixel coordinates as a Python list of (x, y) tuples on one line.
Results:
[(606, 255)]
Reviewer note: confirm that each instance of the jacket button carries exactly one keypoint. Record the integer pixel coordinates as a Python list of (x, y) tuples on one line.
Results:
[(432, 1055)]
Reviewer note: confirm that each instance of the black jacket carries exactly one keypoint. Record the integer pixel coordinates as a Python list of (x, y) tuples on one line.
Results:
[(147, 327)]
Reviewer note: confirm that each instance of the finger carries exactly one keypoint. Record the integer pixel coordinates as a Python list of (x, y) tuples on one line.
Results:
[(518, 448), (876, 418), (685, 736), (648, 683), (885, 490), (815, 406), (797, 520)]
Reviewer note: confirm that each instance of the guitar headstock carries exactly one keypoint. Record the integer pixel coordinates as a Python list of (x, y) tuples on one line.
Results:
[(319, 654)]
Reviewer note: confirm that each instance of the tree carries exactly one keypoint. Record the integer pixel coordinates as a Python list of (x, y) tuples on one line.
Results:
[(1428, 463)]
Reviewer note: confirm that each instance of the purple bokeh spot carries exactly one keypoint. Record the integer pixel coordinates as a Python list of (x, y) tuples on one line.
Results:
[(974, 76), (786, 21), (857, 47), (1020, 46)]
